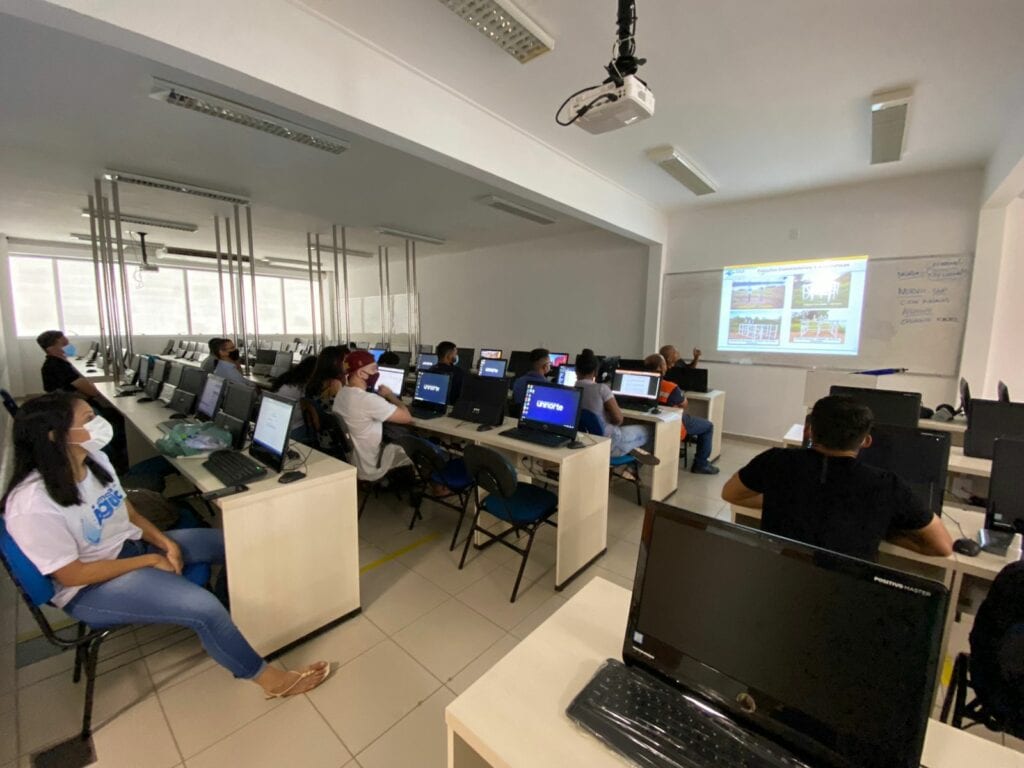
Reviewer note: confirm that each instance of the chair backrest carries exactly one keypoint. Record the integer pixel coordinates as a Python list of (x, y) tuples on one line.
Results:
[(996, 641), (590, 423), (34, 586), (343, 436), (310, 415), (9, 404), (425, 456), (490, 470)]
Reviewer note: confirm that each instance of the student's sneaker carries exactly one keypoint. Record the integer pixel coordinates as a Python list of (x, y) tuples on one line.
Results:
[(645, 457), (706, 469)]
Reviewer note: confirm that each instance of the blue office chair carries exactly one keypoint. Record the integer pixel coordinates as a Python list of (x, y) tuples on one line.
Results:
[(523, 506), (435, 466), (37, 590), (591, 424)]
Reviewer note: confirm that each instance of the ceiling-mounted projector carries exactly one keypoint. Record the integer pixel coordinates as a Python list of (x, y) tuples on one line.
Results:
[(622, 99)]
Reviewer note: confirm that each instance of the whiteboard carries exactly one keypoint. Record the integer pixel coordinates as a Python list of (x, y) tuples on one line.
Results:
[(915, 313)]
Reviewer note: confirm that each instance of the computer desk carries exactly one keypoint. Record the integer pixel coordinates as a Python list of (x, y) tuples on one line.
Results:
[(709, 405), (514, 715), (663, 478), (582, 533), (958, 572), (292, 550), (956, 428)]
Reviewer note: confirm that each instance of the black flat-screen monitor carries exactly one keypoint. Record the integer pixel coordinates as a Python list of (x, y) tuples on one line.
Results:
[(209, 400), (519, 362), (265, 357), (834, 657), (1005, 510), (237, 399), (887, 405), (482, 400), (404, 359), (567, 375), (145, 363), (426, 361), (270, 434), (466, 358), (558, 359), (688, 379), (377, 352), (491, 354), (632, 363), (432, 390), (493, 368), (174, 371), (919, 457), (989, 421), (192, 380), (1002, 392), (156, 378), (551, 408), (181, 401)]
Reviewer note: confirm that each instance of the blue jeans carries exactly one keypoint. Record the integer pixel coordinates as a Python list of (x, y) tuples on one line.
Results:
[(150, 596), (703, 430), (625, 439)]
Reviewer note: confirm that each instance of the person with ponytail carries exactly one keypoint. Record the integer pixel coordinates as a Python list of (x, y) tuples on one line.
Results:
[(67, 512)]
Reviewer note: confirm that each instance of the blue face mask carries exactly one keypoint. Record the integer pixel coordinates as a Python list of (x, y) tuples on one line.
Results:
[(69, 350)]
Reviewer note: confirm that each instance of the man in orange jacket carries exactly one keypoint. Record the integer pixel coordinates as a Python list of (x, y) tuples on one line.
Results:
[(702, 429)]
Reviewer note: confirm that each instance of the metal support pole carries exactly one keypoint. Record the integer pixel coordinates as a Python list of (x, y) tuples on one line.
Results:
[(320, 290), (312, 300), (344, 266), (231, 278), (416, 295), (220, 278), (128, 325), (252, 280), (100, 293), (408, 300), (336, 304), (115, 277), (380, 271), (105, 268), (241, 291), (387, 286)]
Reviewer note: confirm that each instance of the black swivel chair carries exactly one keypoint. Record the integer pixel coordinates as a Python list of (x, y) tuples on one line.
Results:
[(435, 466)]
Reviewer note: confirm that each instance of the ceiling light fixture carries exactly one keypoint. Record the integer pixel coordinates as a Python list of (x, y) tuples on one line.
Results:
[(217, 106), (506, 25), (682, 169), (285, 264), (149, 221), (889, 124), (123, 177), (126, 243), (507, 206), (385, 230)]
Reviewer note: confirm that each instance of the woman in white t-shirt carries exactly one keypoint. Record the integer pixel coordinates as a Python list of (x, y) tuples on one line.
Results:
[(68, 514)]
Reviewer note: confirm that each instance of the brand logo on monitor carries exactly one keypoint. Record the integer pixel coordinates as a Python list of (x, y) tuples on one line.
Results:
[(431, 388), (898, 585), (548, 405)]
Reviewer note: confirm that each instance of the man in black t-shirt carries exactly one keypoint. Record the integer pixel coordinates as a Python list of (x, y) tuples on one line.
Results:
[(447, 354), (824, 496)]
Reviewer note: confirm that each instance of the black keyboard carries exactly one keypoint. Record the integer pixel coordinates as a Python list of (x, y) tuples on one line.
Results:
[(637, 405), (549, 439), (656, 726), (425, 413), (233, 468)]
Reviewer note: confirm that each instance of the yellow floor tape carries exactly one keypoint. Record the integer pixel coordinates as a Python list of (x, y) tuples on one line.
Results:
[(399, 552)]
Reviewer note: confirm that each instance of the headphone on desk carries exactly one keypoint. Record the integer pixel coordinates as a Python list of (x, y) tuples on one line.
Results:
[(945, 412)]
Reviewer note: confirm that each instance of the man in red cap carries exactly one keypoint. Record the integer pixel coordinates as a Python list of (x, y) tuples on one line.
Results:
[(365, 413)]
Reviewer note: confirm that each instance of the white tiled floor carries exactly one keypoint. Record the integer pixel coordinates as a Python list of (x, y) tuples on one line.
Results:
[(427, 631)]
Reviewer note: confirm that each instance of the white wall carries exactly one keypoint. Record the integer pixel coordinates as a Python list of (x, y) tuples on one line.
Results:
[(564, 293), (1006, 345), (917, 215)]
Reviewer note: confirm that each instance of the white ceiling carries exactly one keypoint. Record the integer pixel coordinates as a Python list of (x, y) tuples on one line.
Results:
[(767, 97), (70, 108)]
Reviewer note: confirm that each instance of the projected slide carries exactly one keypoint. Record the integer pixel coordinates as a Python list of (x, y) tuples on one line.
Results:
[(794, 306)]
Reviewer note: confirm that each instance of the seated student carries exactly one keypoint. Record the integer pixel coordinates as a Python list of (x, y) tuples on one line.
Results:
[(447, 359), (328, 377), (824, 496), (674, 360), (67, 512), (540, 367), (292, 384), (997, 650), (702, 429), (59, 375), (389, 359), (365, 414), (220, 349), (598, 398)]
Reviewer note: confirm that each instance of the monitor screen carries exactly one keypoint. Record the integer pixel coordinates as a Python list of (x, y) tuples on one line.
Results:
[(265, 357), (192, 379), (551, 407), (159, 371), (426, 361), (567, 375), (210, 399), (840, 654), (558, 359), (495, 368), (143, 370), (1006, 487), (491, 354), (404, 359), (465, 361), (989, 420), (237, 400), (519, 362), (919, 457), (377, 353), (270, 435), (392, 378), (636, 384), (432, 387), (888, 406), (174, 371)]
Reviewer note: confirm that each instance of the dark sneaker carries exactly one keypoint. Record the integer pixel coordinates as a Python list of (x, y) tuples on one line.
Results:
[(645, 457), (707, 469)]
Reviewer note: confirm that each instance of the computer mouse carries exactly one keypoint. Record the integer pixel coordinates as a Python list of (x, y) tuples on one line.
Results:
[(291, 477), (484, 428), (293, 454), (177, 416), (968, 547)]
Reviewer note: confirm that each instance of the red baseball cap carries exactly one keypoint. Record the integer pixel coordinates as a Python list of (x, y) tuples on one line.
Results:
[(356, 359)]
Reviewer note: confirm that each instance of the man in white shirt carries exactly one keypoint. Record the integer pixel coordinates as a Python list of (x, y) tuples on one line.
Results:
[(365, 414)]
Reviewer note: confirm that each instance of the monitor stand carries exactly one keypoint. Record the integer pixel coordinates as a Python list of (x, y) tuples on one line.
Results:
[(995, 542)]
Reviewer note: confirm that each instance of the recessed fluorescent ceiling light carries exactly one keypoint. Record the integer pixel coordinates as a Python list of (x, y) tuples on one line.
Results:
[(889, 124), (506, 25), (122, 177), (501, 204), (216, 106), (674, 163), (149, 221), (383, 230)]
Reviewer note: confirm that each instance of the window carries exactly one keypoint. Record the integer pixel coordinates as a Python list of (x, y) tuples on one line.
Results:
[(269, 304), (78, 297), (158, 302), (33, 292), (204, 303), (299, 315)]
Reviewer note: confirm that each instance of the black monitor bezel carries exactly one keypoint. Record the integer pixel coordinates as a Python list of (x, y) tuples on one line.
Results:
[(910, 400), (428, 404), (1002, 444), (556, 429), (652, 399), (487, 360), (199, 375), (216, 405), (266, 455), (917, 433), (991, 414)]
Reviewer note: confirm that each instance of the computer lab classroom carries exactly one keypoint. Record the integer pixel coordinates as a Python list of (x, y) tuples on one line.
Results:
[(512, 383)]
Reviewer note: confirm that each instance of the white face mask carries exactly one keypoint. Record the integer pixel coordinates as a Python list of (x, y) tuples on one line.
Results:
[(100, 434)]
